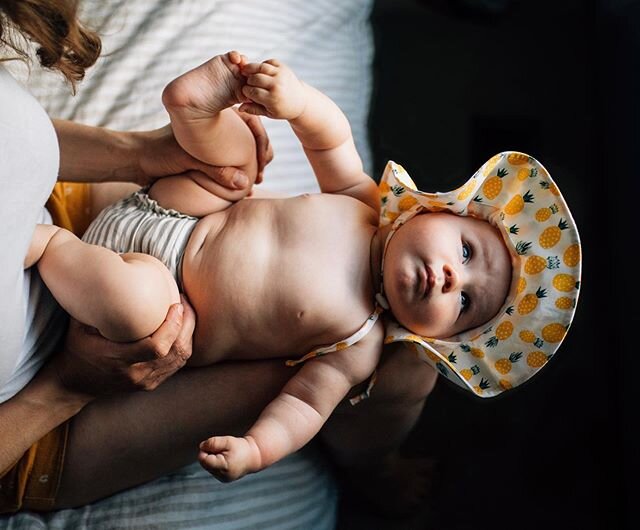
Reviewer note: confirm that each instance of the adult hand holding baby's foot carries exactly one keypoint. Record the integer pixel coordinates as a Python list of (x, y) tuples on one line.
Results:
[(229, 458), (274, 90)]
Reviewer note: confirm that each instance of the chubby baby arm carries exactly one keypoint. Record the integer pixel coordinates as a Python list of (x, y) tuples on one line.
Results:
[(125, 297), (323, 129), (293, 418)]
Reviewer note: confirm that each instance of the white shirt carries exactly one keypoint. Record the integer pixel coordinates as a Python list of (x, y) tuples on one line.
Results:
[(30, 320)]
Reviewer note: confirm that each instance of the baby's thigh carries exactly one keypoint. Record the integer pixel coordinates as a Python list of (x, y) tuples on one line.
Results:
[(141, 290)]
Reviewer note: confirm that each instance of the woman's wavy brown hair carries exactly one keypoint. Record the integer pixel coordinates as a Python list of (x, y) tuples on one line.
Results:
[(63, 43)]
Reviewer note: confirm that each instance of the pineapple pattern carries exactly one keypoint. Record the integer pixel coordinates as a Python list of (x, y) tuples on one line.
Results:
[(515, 193)]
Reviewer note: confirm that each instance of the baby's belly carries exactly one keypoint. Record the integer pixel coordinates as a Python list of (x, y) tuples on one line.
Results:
[(232, 274), (270, 279)]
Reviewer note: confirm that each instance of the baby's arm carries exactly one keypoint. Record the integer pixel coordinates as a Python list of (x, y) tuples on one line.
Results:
[(321, 126), (293, 418), (125, 297)]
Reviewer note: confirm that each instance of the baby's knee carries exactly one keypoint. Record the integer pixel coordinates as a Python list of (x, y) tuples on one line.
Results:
[(141, 296)]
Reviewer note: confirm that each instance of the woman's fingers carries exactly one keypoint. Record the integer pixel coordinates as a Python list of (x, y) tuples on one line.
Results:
[(264, 150)]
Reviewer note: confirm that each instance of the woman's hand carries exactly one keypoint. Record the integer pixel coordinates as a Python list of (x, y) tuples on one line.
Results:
[(93, 365), (160, 155)]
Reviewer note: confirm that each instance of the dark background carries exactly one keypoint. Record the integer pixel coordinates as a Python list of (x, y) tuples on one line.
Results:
[(455, 83)]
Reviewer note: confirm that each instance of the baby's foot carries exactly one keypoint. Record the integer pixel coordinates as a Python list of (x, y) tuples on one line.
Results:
[(207, 89)]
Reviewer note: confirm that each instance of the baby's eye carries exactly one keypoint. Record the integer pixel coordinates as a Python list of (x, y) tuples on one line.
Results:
[(466, 252), (464, 302)]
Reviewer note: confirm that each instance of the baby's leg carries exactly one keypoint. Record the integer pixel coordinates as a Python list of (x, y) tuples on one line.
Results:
[(198, 104), (126, 297)]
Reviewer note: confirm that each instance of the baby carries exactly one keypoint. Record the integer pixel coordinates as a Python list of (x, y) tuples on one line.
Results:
[(308, 277)]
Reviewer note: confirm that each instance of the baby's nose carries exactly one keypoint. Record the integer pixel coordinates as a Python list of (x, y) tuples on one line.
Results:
[(450, 278)]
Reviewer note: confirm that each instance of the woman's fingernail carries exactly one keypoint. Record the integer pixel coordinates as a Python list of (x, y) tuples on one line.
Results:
[(180, 310), (240, 180)]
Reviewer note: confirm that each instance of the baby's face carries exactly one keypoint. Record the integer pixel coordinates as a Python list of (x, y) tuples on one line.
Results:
[(445, 274)]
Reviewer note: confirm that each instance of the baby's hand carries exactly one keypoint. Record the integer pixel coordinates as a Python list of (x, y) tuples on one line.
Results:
[(229, 458), (274, 90)]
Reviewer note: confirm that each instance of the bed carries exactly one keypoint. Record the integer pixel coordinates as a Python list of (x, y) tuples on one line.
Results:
[(146, 44)]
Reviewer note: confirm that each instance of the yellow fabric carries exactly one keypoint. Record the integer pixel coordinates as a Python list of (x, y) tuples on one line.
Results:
[(70, 206), (32, 483), (514, 192)]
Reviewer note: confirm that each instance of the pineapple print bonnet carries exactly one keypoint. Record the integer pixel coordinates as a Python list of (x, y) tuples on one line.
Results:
[(514, 192)]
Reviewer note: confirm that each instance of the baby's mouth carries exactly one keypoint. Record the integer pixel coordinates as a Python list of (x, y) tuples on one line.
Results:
[(424, 282), (430, 279)]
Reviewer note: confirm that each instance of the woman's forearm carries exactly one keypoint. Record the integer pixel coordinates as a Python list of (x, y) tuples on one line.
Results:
[(95, 154), (32, 413)]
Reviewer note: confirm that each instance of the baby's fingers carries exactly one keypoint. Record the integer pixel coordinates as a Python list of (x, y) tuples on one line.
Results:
[(253, 108), (256, 94), (261, 81), (259, 68), (216, 444)]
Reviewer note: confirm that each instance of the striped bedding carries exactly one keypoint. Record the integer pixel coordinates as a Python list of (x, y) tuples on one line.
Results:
[(147, 43)]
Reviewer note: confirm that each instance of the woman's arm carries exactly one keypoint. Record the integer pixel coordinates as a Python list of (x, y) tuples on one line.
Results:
[(87, 367), (96, 154)]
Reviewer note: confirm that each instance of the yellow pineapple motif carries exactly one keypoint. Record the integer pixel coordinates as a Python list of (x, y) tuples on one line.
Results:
[(493, 185), (551, 187), (554, 332), (384, 188), (517, 202), (571, 256), (504, 365), (522, 285), (488, 167), (438, 204), (389, 339), (432, 355), (466, 373), (341, 346), (484, 384), (543, 214), (392, 216), (564, 282), (536, 264), (476, 352), (550, 236), (536, 359), (517, 159), (564, 302), (505, 384), (525, 173), (407, 202), (504, 330), (527, 336), (467, 189), (530, 301)]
